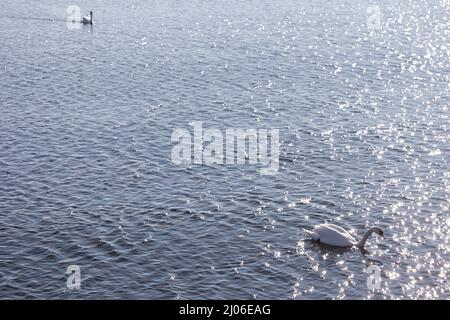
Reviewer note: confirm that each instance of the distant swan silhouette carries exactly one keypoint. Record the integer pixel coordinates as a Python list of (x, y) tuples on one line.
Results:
[(88, 20), (334, 235)]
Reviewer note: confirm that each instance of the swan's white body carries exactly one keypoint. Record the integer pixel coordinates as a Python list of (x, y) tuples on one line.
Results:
[(88, 19), (334, 235)]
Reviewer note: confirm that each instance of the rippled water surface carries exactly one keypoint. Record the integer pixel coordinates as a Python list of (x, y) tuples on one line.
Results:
[(85, 144)]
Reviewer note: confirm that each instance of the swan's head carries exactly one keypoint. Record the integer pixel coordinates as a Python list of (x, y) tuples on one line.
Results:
[(378, 231)]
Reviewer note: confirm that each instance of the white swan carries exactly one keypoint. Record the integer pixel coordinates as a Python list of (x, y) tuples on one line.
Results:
[(88, 20), (334, 235)]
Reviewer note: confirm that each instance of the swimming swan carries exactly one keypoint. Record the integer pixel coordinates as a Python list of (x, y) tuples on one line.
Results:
[(88, 20), (333, 235)]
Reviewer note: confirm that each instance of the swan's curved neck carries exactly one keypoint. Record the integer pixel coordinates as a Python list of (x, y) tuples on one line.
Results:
[(362, 243)]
